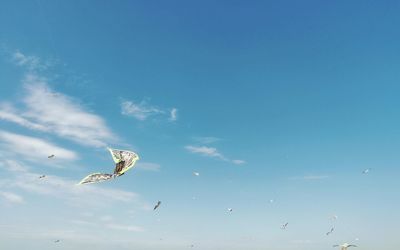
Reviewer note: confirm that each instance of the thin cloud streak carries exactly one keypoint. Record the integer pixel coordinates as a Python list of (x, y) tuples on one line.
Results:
[(211, 152), (32, 148)]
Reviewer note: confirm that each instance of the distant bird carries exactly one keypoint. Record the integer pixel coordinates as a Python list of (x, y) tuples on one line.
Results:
[(196, 173), (283, 227), (42, 176), (331, 231), (344, 246), (56, 241), (157, 205), (230, 209), (51, 156), (366, 171)]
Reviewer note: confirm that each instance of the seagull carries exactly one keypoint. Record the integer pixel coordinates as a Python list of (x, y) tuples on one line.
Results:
[(366, 171), (230, 209), (331, 231), (283, 227), (196, 173), (42, 176), (344, 246), (56, 241), (51, 156), (157, 205)]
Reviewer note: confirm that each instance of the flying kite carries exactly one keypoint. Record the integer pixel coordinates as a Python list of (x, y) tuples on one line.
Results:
[(157, 205), (230, 209), (124, 160), (56, 241), (344, 246), (283, 227)]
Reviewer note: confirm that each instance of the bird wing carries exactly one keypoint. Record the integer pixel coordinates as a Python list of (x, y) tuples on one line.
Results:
[(127, 157), (94, 178)]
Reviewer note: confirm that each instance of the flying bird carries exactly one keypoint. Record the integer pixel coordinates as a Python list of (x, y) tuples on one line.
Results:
[(344, 246), (283, 227), (157, 205), (331, 231), (51, 156), (230, 209), (124, 160), (56, 241), (366, 171), (42, 176)]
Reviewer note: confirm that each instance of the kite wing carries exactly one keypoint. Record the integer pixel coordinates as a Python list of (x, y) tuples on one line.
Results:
[(94, 178), (124, 160)]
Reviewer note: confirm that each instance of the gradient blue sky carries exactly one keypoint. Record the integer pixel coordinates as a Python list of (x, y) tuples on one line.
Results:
[(282, 100)]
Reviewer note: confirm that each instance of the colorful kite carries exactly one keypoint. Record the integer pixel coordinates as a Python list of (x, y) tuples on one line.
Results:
[(124, 160)]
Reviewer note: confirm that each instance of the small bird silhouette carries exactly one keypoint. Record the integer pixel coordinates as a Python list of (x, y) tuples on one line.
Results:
[(157, 205)]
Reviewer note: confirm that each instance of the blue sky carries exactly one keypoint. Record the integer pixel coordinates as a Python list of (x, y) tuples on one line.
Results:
[(285, 101)]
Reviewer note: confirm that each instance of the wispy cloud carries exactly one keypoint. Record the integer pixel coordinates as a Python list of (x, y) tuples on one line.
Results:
[(11, 197), (238, 162), (205, 151), (65, 189), (125, 227), (148, 166), (30, 62), (310, 177), (49, 111), (211, 152), (206, 139), (32, 148), (142, 110)]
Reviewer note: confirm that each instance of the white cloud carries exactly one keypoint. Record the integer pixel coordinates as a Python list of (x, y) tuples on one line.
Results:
[(65, 189), (11, 197), (32, 148), (125, 227), (310, 177), (173, 114), (206, 139), (238, 162), (211, 152), (149, 166), (13, 166), (9, 113), (140, 111), (206, 151), (31, 62), (53, 112)]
